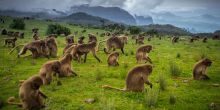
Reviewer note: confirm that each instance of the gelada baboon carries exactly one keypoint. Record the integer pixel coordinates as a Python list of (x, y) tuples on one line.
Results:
[(48, 69), (204, 39), (199, 70), (30, 95), (124, 39), (139, 40), (113, 59), (84, 49), (11, 41), (69, 40), (113, 43), (52, 35), (66, 66), (92, 38), (141, 53), (80, 40), (175, 39), (37, 48), (136, 78), (52, 46)]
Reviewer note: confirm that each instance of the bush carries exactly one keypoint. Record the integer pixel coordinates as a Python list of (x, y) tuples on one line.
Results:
[(174, 69), (134, 30), (57, 29), (17, 24)]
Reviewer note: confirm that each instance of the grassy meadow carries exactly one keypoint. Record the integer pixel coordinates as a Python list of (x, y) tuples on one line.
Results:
[(168, 92)]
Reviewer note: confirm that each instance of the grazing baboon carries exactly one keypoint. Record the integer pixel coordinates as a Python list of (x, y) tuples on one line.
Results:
[(35, 30), (84, 49), (38, 48), (141, 53), (204, 39), (4, 32), (175, 39), (35, 36), (66, 66), (139, 40), (113, 43), (124, 39), (11, 41), (113, 59), (199, 70), (52, 46), (136, 78), (48, 69), (80, 41), (92, 38), (31, 98)]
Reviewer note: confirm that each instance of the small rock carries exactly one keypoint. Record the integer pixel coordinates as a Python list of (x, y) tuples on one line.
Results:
[(90, 100), (59, 83), (215, 85), (185, 81)]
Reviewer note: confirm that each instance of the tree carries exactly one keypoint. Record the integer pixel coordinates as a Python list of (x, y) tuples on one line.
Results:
[(57, 29)]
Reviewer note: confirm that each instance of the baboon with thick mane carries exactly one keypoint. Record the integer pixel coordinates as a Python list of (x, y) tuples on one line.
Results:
[(66, 66), (113, 59), (30, 95), (199, 70), (141, 53), (11, 41), (136, 78), (92, 38), (52, 46)]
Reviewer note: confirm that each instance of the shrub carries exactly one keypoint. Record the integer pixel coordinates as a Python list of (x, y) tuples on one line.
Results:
[(162, 82), (174, 69), (134, 30), (178, 55), (57, 29), (151, 97), (17, 24)]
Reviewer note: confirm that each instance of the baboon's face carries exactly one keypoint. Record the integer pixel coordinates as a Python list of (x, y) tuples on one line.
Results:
[(56, 67), (36, 82), (207, 62)]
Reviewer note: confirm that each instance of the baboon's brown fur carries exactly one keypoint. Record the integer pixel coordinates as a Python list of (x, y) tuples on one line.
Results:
[(30, 95), (175, 39), (80, 41), (69, 40), (84, 49), (66, 66), (136, 79), (48, 69), (36, 36), (92, 38), (52, 46), (141, 53), (113, 59), (11, 41), (199, 70), (124, 39), (139, 40)]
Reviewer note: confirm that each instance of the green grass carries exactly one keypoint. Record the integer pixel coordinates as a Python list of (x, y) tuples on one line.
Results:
[(196, 95)]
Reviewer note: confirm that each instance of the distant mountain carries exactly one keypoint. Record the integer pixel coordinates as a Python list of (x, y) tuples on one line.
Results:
[(141, 20), (86, 19), (112, 13), (166, 29)]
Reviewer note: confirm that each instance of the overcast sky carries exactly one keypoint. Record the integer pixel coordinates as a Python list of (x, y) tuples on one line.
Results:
[(139, 7)]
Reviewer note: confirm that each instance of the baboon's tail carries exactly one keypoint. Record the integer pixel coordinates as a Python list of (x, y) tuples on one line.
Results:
[(15, 48), (97, 47), (110, 87), (11, 101)]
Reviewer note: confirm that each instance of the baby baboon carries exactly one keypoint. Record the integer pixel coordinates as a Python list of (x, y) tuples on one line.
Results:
[(4, 32), (141, 53), (38, 48), (84, 49), (35, 36), (52, 46), (140, 40), (124, 39), (48, 69), (11, 41), (136, 78), (92, 38), (113, 59), (113, 43), (80, 41), (66, 66), (175, 39), (30, 95), (204, 39), (199, 70)]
